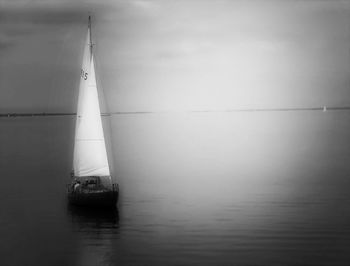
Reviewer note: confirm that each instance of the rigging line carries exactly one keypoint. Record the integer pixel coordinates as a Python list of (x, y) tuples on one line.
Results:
[(106, 114), (100, 90)]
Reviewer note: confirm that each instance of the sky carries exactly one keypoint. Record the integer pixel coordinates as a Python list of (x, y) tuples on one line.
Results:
[(176, 55)]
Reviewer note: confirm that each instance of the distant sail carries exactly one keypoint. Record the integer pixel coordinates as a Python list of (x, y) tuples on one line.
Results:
[(324, 108), (90, 155)]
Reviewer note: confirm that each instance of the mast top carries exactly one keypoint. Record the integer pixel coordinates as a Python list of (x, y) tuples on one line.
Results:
[(89, 27)]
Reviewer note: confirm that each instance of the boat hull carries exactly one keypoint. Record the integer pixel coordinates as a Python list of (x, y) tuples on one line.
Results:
[(93, 198), (92, 194)]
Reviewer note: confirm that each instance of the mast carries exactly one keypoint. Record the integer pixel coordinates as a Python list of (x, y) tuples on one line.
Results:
[(90, 38)]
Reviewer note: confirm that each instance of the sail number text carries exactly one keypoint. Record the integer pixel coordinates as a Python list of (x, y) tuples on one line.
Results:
[(84, 74)]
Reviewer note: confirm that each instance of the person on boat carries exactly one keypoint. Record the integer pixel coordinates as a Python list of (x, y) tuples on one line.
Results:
[(76, 186)]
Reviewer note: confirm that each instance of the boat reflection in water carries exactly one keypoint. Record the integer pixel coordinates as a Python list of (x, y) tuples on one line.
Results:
[(93, 217), (95, 231)]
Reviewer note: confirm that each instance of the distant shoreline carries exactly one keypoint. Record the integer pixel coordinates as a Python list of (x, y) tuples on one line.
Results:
[(34, 114), (12, 114)]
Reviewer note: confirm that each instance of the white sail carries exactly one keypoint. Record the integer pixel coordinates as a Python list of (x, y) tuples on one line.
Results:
[(90, 156)]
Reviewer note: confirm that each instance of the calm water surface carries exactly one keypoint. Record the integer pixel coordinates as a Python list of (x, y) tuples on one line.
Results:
[(258, 188)]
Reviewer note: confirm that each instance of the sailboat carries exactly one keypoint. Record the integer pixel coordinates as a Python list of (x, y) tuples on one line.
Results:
[(92, 183)]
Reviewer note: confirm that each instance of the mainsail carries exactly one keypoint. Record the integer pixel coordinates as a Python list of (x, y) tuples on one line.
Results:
[(90, 155)]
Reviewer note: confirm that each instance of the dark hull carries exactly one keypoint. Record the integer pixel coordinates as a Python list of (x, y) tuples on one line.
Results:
[(91, 191), (94, 198)]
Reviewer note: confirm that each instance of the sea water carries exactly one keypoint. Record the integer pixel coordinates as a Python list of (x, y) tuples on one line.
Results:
[(236, 188)]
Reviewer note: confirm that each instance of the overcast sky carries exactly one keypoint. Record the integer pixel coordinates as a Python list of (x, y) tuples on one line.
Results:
[(176, 55)]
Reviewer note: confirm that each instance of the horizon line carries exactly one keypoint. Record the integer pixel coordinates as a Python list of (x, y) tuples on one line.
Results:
[(289, 109)]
